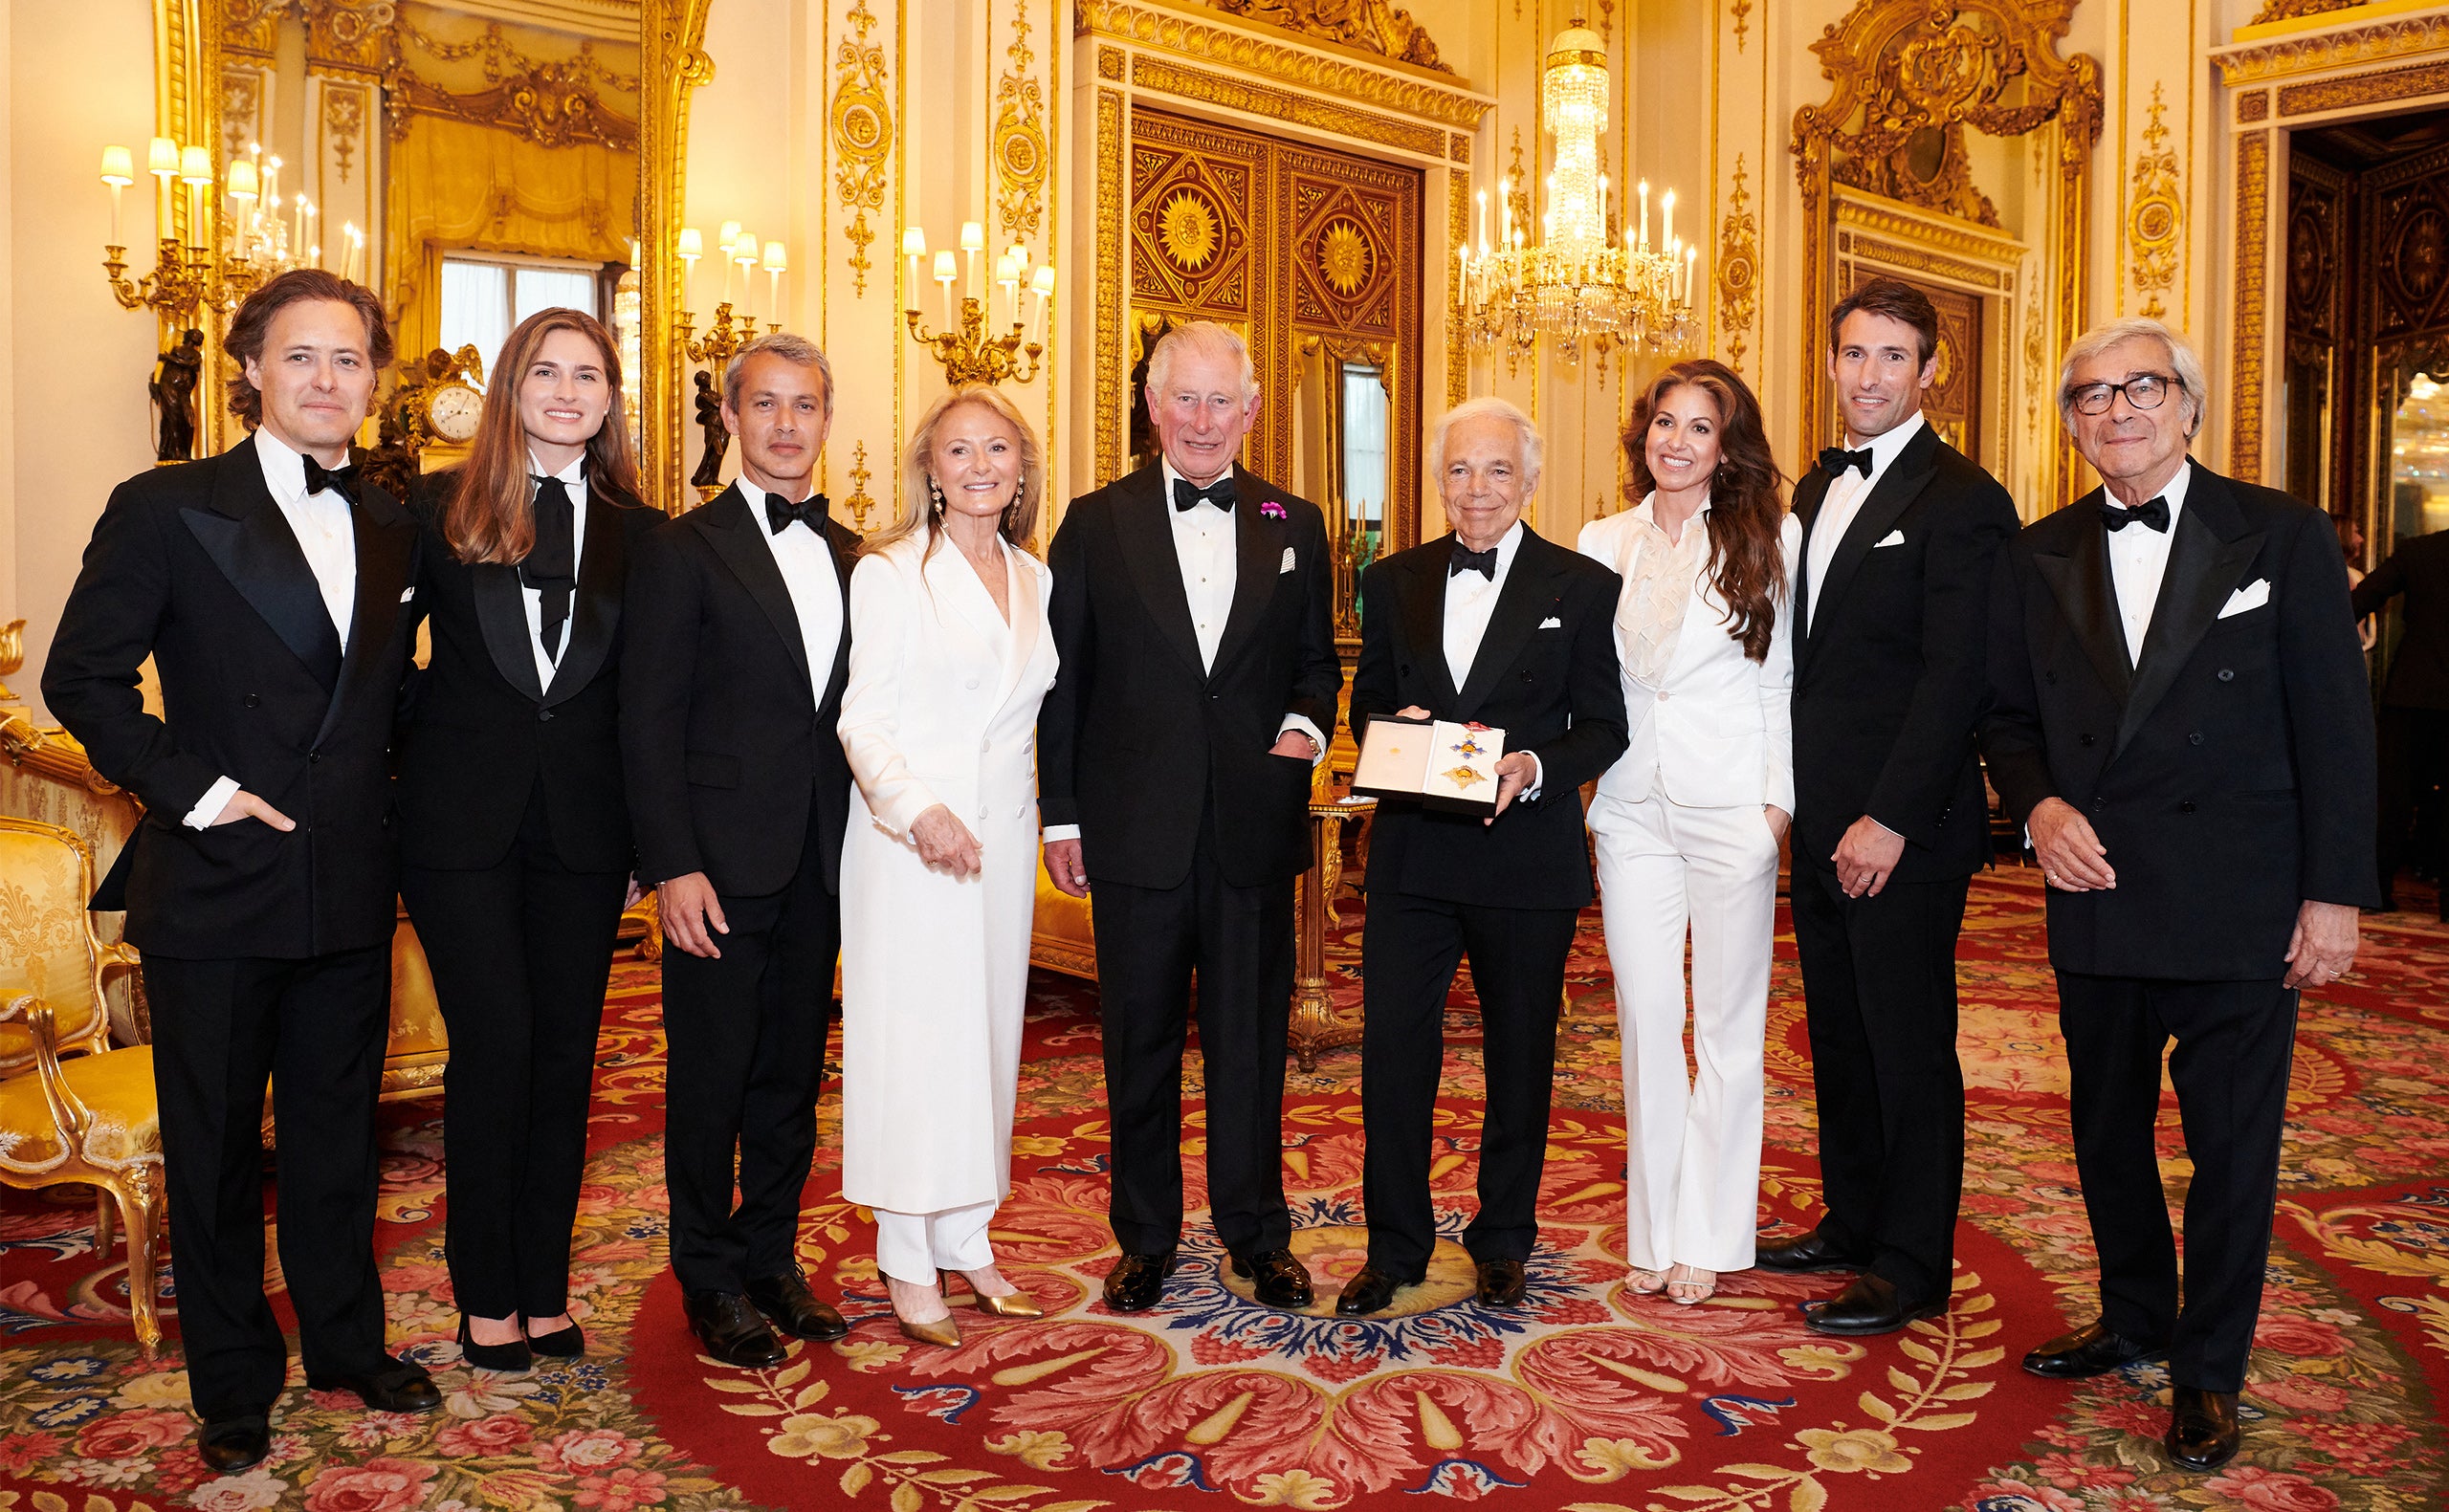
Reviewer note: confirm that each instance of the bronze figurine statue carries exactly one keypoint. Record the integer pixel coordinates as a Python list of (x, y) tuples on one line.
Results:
[(173, 387), (710, 420)]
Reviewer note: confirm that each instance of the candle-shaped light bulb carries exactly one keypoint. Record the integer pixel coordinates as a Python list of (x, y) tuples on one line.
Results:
[(947, 272), (162, 156), (777, 258), (693, 244), (1691, 263), (973, 241), (195, 166), (728, 236), (119, 171), (1041, 285), (743, 251), (914, 245), (242, 183)]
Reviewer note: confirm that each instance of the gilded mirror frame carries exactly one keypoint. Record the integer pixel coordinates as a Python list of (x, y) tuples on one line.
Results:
[(673, 63)]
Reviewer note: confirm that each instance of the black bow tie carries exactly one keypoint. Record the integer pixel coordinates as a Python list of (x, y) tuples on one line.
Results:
[(1836, 460), (1462, 559), (340, 480), (551, 566), (809, 512), (1190, 495), (2154, 514)]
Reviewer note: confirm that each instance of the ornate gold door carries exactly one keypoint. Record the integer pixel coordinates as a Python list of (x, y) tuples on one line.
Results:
[(1313, 256)]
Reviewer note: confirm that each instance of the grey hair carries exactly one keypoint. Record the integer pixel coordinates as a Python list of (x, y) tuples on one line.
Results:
[(1489, 406), (790, 348), (1199, 336), (2190, 376)]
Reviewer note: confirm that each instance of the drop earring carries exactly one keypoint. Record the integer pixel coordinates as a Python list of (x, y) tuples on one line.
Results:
[(935, 497)]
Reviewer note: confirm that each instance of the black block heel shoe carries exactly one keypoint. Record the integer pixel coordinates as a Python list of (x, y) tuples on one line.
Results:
[(511, 1359)]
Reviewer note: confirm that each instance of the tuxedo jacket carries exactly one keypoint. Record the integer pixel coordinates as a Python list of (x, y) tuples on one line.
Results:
[(482, 730), (1137, 739), (196, 566), (1545, 673), (2229, 771), (2419, 666), (1889, 676), (727, 735)]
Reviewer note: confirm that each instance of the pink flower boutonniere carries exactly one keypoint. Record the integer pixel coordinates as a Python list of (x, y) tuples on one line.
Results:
[(1270, 509)]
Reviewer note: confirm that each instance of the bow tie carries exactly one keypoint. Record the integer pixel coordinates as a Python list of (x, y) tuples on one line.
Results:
[(340, 480), (809, 512), (1835, 461), (2154, 514), (1462, 559), (1190, 495)]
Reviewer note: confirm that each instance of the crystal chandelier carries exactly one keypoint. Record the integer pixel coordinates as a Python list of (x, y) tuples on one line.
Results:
[(1579, 281)]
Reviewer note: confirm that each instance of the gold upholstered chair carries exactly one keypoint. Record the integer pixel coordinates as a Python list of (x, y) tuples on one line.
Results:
[(72, 1110)]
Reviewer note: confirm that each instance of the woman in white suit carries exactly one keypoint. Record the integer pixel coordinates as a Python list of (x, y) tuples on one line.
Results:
[(1689, 819), (949, 660)]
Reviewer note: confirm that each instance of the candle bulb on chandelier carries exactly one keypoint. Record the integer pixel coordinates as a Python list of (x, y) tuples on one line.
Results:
[(356, 240), (947, 272), (1007, 279), (691, 247), (195, 171), (777, 264), (973, 241), (119, 171), (914, 245), (1692, 262), (163, 163), (1042, 286)]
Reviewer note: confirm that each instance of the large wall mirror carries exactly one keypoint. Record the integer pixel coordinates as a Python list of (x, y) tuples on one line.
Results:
[(1343, 455)]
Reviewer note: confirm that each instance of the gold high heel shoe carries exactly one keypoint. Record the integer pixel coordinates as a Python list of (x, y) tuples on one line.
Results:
[(942, 1332), (1015, 1303)]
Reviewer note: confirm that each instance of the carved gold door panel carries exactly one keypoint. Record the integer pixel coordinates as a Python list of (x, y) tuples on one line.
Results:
[(1293, 246)]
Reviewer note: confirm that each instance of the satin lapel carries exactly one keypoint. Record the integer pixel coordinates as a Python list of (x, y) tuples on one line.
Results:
[(1258, 563), (2089, 600), (1808, 497), (738, 541), (1422, 592), (250, 540), (2211, 552), (386, 539), (845, 543), (501, 615), (595, 609), (1895, 492), (1146, 538), (1528, 596)]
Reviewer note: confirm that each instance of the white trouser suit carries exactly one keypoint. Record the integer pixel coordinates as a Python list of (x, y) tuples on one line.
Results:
[(1683, 844)]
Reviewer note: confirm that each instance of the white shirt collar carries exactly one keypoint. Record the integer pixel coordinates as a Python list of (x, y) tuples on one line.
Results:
[(756, 497), (1506, 545), (1171, 476), (1885, 447), (2174, 494), (1648, 508), (572, 476), (284, 468)]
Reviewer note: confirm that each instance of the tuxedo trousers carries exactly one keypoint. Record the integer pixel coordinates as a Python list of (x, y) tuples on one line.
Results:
[(521, 952), (1666, 871), (1237, 942), (316, 1027), (745, 1036), (2235, 1043), (1879, 1000), (1410, 948)]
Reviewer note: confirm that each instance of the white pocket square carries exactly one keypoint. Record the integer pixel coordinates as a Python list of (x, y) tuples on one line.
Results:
[(1288, 562), (406, 594), (1894, 537), (1551, 623), (2252, 596)]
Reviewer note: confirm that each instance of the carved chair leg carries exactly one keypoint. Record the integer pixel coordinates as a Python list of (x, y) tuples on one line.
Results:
[(104, 1199), (139, 1214)]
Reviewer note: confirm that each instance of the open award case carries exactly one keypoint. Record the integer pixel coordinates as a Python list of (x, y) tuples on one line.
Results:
[(1436, 763)]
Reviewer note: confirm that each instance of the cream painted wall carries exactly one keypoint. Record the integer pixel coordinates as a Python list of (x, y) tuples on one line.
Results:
[(74, 416)]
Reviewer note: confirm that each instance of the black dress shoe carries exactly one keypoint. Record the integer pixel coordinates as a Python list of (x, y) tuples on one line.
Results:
[(730, 1329), (1370, 1290), (2093, 1349), (2203, 1430), (1500, 1284), (395, 1385), (1868, 1305), (1276, 1279), (790, 1306), (510, 1358), (564, 1343), (1807, 1255), (234, 1443), (1138, 1281)]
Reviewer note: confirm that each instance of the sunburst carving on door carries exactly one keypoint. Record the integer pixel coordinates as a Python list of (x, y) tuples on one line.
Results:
[(1189, 230), (1345, 258)]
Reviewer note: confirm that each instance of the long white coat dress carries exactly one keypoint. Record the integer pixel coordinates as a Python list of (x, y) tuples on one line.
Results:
[(941, 707)]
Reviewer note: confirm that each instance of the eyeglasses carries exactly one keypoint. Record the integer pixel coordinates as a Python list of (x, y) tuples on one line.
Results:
[(2144, 391)]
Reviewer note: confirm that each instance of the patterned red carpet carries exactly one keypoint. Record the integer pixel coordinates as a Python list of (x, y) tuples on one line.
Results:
[(1589, 1399)]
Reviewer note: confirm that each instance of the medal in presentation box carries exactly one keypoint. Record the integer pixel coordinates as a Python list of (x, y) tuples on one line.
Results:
[(1441, 765)]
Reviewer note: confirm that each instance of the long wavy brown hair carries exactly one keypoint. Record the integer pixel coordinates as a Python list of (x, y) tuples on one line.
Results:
[(490, 514), (1747, 504)]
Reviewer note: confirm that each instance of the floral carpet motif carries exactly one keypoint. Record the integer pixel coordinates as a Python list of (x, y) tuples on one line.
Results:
[(1588, 1397)]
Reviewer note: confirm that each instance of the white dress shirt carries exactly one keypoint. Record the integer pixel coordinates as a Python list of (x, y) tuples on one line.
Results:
[(1843, 501), (2138, 558), (1470, 602), (806, 561), (327, 535), (574, 480)]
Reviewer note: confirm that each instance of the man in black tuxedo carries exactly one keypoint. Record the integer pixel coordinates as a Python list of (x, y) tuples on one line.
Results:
[(2415, 703), (2181, 723), (1196, 692), (1496, 625), (270, 588), (1900, 534), (737, 649)]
